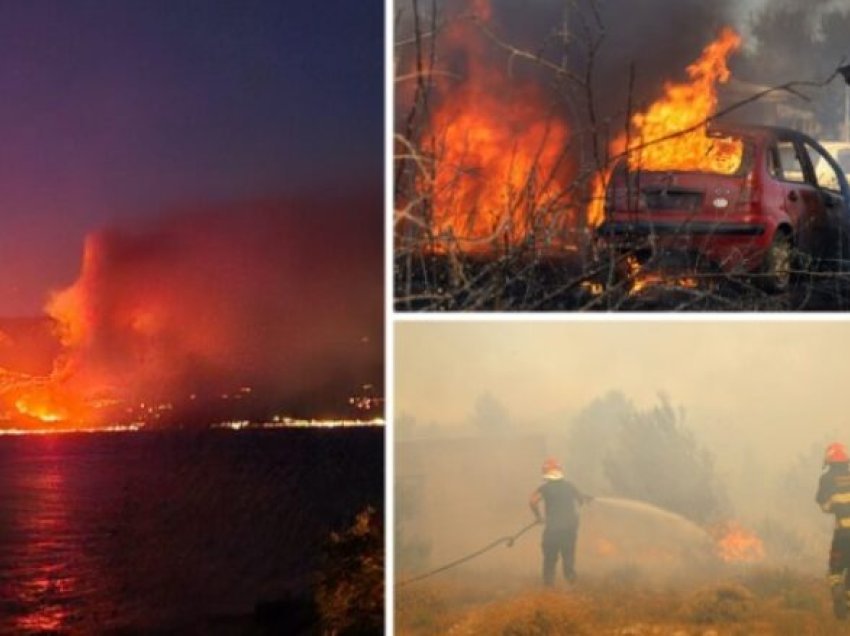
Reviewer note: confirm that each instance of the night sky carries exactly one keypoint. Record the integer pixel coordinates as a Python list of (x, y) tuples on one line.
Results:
[(114, 111)]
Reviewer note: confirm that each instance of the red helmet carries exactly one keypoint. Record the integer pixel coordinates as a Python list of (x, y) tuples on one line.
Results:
[(552, 469), (836, 453)]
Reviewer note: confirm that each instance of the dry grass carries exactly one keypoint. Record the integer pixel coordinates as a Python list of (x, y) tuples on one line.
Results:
[(724, 603), (758, 602)]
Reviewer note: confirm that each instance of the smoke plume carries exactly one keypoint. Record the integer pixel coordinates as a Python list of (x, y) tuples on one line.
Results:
[(633, 48), (276, 303)]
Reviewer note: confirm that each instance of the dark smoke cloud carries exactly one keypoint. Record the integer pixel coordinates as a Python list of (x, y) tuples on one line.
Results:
[(284, 297), (786, 40), (658, 37), (801, 41)]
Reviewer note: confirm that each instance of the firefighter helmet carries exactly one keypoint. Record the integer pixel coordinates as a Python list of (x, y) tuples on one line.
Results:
[(552, 469), (836, 453)]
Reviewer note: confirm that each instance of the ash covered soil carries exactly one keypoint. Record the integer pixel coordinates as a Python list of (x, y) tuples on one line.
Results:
[(758, 601)]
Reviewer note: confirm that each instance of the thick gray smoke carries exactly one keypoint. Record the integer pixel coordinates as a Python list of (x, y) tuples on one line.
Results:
[(661, 502), (801, 41), (785, 41), (650, 42), (657, 37)]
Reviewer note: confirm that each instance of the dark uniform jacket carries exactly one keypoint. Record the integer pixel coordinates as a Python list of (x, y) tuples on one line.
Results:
[(834, 494), (561, 500)]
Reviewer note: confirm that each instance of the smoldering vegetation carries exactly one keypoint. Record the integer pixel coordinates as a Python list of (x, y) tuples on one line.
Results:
[(679, 536), (275, 303)]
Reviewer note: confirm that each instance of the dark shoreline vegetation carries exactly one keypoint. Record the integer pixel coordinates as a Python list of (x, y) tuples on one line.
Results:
[(197, 532)]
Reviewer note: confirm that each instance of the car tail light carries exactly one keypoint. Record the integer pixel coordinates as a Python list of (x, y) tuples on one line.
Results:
[(749, 201)]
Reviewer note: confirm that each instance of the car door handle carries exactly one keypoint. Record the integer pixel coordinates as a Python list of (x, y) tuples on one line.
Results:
[(793, 195)]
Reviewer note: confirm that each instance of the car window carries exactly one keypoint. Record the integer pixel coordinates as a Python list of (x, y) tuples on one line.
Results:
[(720, 154), (790, 167), (825, 174), (773, 166), (843, 159)]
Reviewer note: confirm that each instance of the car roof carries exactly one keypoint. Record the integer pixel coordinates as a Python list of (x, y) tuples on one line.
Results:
[(758, 130)]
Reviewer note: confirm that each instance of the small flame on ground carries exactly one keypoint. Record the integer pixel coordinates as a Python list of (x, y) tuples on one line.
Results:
[(605, 548), (640, 279), (736, 544)]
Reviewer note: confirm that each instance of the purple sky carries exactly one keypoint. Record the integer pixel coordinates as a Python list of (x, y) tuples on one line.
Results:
[(112, 111)]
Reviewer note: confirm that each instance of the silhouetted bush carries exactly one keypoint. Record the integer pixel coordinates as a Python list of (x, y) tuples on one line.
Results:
[(350, 589)]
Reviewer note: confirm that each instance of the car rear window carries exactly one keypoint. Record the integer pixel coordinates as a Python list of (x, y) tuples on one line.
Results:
[(720, 154)]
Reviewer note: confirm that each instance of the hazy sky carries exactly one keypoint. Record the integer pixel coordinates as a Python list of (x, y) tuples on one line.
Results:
[(781, 385)]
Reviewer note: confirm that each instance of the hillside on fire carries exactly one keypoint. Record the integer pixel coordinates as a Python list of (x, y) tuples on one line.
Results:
[(241, 312), (692, 485), (577, 156)]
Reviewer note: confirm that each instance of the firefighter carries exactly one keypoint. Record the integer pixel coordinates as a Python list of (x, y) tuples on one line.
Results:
[(561, 500), (833, 496)]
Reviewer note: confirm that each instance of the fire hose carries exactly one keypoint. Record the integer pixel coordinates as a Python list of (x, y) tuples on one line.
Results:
[(508, 541)]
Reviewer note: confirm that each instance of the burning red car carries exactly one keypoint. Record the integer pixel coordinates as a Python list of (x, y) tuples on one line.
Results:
[(760, 208)]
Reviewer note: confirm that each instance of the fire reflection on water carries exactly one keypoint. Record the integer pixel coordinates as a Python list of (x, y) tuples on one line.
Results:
[(42, 583), (152, 531)]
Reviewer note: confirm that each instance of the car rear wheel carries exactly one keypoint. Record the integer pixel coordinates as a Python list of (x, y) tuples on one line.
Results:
[(777, 264)]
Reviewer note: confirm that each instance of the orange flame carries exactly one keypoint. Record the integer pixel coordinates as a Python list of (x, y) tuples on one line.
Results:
[(53, 399), (672, 135), (738, 545), (496, 149), (49, 404), (605, 548), (45, 412), (641, 279), (685, 107)]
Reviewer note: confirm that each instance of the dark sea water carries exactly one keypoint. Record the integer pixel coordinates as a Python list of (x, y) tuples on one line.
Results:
[(154, 531)]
